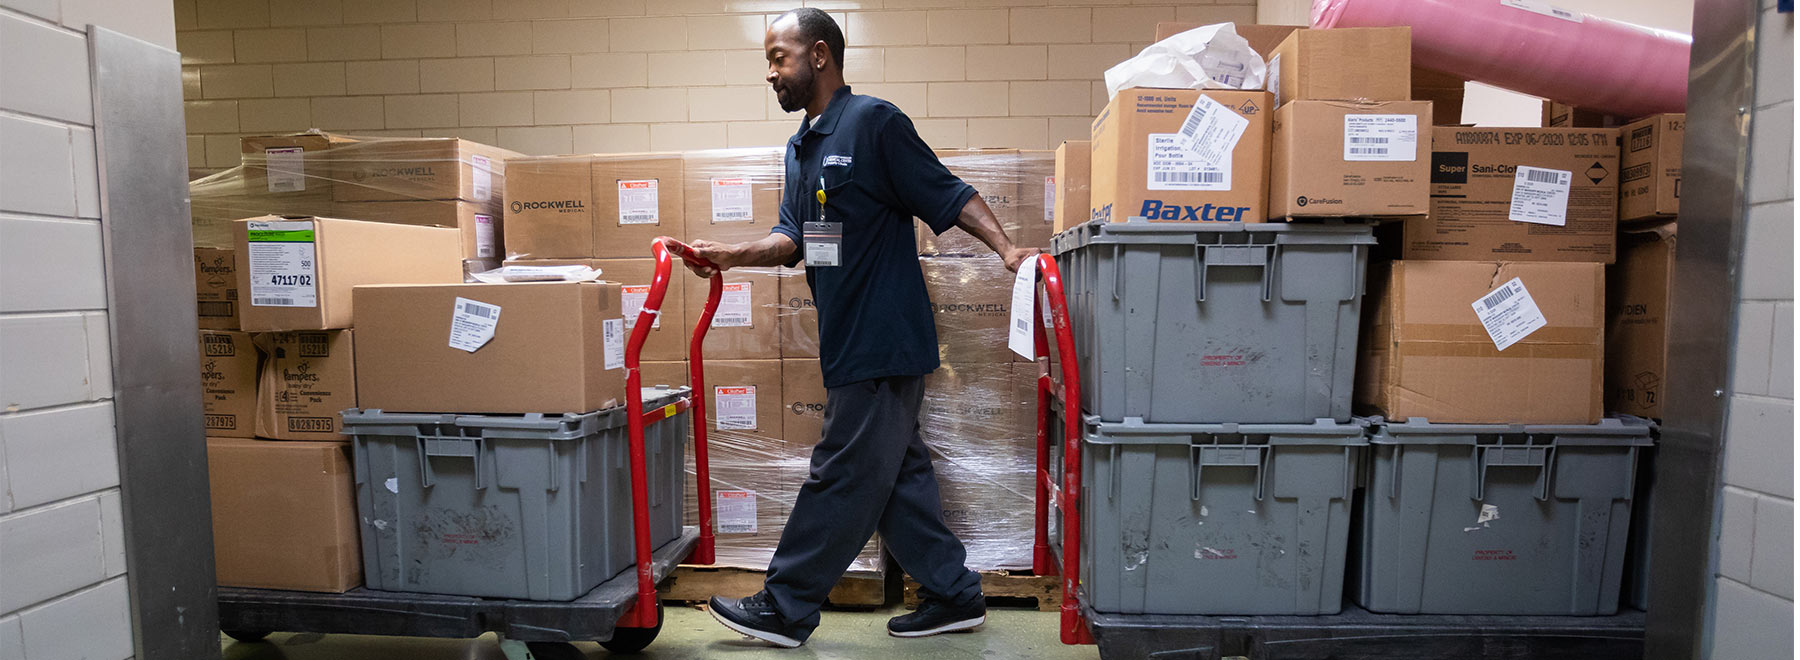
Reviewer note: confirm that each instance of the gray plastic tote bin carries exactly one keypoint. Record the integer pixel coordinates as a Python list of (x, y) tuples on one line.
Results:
[(1496, 519), (534, 507), (1224, 519), (1220, 322)]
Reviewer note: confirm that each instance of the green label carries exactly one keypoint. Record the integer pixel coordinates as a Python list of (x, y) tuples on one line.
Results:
[(281, 236)]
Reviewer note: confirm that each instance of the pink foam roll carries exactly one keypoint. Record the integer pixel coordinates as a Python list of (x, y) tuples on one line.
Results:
[(1583, 60)]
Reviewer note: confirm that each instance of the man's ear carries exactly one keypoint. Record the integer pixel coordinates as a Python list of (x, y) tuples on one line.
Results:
[(821, 55)]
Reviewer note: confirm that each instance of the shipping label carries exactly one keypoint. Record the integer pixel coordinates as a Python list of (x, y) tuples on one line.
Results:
[(1021, 336), (286, 169), (1509, 314), (484, 236), (1273, 79), (734, 306), (731, 200), (472, 324), (1049, 199), (735, 511), (612, 346), (282, 264), (1211, 131), (1381, 138), (1173, 167), (634, 296), (735, 407), (482, 173), (1540, 196), (638, 203)]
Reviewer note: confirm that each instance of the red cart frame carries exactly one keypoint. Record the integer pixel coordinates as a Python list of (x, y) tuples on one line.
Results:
[(1067, 496)]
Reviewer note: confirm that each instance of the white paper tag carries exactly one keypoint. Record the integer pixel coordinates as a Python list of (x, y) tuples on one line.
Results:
[(1544, 8), (1540, 196), (1173, 167), (634, 296), (1212, 131), (1381, 138), (734, 306), (735, 511), (1509, 314), (1049, 199), (472, 324), (1272, 79), (638, 203), (286, 168), (731, 200), (735, 407), (484, 236), (483, 170), (612, 333), (505, 274), (1020, 335), (282, 266)]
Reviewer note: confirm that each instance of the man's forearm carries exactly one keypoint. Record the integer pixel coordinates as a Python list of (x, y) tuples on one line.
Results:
[(977, 219), (771, 250)]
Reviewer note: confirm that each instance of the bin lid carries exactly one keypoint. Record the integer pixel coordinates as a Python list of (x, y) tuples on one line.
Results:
[(1138, 231), (534, 426), (1135, 431), (1618, 430)]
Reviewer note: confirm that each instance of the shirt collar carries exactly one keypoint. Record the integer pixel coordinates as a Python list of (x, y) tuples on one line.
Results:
[(827, 121)]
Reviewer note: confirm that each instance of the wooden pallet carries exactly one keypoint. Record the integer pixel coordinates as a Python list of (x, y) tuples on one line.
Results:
[(695, 584), (1004, 588)]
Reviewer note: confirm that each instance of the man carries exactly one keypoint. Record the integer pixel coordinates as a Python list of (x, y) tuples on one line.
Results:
[(857, 175)]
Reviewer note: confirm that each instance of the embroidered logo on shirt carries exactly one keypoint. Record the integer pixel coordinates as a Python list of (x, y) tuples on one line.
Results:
[(837, 160)]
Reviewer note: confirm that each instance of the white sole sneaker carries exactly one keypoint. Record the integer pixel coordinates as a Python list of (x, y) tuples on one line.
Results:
[(782, 641), (965, 624)]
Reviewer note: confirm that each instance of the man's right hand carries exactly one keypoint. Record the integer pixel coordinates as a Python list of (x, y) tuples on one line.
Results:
[(718, 253)]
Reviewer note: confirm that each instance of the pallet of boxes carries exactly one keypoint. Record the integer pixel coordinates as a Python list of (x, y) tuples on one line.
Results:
[(765, 397)]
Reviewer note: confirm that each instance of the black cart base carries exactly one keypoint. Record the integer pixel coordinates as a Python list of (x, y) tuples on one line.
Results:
[(1357, 634)]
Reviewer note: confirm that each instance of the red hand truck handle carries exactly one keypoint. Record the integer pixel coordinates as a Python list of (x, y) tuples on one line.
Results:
[(643, 612), (1074, 628)]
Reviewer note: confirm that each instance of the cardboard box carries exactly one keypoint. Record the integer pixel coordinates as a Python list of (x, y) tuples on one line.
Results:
[(971, 300), (1348, 158), (407, 169), (478, 224), (1139, 169), (798, 318), (995, 175), (307, 379), (550, 208), (1650, 181), (744, 402), (1037, 195), (1262, 38), (288, 165), (746, 325), (216, 288), (638, 197), (1473, 177), (671, 373), (557, 347), (228, 383), (284, 515), (1444, 91), (1637, 321), (1425, 353), (733, 195), (1343, 64), (803, 392), (982, 434), (298, 272), (670, 336), (1074, 167), (1563, 115)]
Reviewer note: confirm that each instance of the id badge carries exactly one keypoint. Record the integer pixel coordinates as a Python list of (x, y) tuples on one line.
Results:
[(823, 240)]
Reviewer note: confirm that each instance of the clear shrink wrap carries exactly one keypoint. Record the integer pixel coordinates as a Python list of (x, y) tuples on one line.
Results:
[(595, 206), (971, 301), (733, 195), (995, 175), (978, 421)]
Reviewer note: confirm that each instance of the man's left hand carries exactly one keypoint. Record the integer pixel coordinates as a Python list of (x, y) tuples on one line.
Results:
[(1017, 256)]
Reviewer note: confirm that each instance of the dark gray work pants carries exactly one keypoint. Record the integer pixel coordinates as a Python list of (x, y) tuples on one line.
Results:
[(870, 472)]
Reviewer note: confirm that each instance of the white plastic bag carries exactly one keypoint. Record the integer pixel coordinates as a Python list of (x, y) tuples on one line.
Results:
[(506, 274), (1210, 57)]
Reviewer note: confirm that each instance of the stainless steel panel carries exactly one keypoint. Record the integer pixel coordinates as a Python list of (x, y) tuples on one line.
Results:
[(1701, 317), (139, 130)]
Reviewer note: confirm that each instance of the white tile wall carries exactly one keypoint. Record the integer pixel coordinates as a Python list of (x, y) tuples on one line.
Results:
[(45, 184), (91, 625), (537, 140), (72, 449), (12, 639), (1750, 623), (50, 551), (51, 265), (44, 71)]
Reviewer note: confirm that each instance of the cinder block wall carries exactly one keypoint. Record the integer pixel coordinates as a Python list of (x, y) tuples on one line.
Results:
[(1753, 591), (62, 545), (579, 76)]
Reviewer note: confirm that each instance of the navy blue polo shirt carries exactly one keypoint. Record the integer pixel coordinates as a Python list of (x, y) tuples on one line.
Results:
[(874, 315)]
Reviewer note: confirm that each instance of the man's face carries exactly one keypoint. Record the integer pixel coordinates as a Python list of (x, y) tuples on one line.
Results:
[(790, 65)]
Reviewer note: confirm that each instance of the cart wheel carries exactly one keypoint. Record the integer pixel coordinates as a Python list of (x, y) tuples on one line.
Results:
[(554, 651), (632, 640), (247, 636)]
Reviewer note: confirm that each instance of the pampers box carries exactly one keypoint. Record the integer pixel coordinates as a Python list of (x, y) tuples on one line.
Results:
[(1181, 155)]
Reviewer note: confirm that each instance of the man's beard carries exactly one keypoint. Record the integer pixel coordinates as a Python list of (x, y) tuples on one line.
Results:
[(799, 91)]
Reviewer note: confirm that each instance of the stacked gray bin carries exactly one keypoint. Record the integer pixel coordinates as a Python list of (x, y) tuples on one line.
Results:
[(534, 507), (1215, 322), (1497, 519)]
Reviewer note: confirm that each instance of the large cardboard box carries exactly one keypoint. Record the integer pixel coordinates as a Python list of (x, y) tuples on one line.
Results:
[(798, 317), (298, 272), (1037, 198), (1349, 158), (1475, 181), (284, 515), (672, 373), (744, 402), (550, 208), (1563, 115), (1444, 91), (289, 165), (971, 300), (555, 347), (1263, 38), (803, 393), (1637, 321), (1425, 353), (746, 325), (479, 224), (637, 197), (1344, 64), (216, 288), (1141, 169), (670, 335), (733, 195), (995, 175), (405, 169), (228, 383), (1650, 181), (982, 435), (1074, 163), (307, 379)]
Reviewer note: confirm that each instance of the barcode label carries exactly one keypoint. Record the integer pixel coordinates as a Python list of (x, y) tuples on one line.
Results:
[(1540, 196), (731, 200), (272, 302), (734, 306), (1190, 177), (1381, 138), (736, 511), (735, 407), (1172, 167), (1211, 131), (472, 324), (483, 311), (1497, 297), (1509, 314), (1364, 140), (282, 257), (1540, 176), (638, 202)]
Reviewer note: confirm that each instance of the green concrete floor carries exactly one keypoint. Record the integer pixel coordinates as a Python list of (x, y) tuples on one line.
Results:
[(689, 633)]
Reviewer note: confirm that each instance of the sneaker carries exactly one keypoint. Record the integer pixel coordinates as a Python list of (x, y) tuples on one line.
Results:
[(935, 617), (755, 616)]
